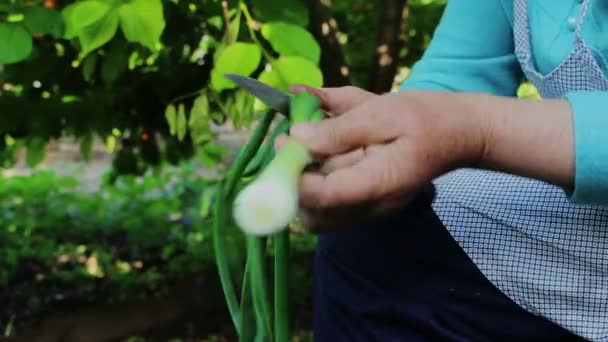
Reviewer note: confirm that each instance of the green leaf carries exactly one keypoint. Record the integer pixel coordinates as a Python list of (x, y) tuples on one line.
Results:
[(291, 40), (217, 151), (98, 34), (88, 67), (142, 21), (181, 122), (86, 146), (216, 22), (206, 201), (36, 149), (291, 11), (200, 128), (82, 14), (211, 154), (171, 117), (42, 20), (238, 58), (242, 110), (114, 64), (15, 43), (287, 71)]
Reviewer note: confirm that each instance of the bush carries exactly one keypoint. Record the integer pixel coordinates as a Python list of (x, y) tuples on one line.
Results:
[(59, 245), (62, 247)]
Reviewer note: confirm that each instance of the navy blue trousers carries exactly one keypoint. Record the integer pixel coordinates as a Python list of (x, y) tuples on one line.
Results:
[(405, 279)]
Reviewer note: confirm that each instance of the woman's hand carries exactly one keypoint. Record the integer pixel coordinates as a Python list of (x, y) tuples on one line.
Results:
[(380, 153)]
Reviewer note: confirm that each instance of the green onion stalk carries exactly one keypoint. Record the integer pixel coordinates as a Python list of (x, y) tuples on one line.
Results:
[(267, 205), (261, 190), (221, 215)]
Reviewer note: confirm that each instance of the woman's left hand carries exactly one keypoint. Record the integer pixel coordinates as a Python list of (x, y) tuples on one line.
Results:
[(383, 152)]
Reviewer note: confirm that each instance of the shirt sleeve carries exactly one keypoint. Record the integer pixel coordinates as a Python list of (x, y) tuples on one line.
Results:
[(590, 120), (471, 50)]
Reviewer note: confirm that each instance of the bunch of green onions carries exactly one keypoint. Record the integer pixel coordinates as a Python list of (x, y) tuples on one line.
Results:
[(260, 195)]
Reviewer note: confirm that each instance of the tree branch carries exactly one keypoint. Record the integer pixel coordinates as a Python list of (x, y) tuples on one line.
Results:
[(388, 45), (324, 28)]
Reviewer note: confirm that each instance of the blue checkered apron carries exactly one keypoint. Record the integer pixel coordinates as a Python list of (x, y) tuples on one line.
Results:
[(547, 254)]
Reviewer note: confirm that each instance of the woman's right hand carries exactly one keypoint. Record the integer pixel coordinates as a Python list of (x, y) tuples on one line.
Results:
[(336, 101)]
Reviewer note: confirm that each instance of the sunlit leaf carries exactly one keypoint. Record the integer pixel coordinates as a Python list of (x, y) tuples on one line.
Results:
[(238, 58), (142, 21), (287, 71), (99, 33), (82, 14), (291, 40)]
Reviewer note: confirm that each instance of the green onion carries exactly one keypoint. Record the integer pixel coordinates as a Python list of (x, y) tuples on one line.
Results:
[(247, 330), (303, 107), (270, 202), (266, 152), (249, 151), (265, 207), (281, 286), (221, 214), (261, 302), (221, 259)]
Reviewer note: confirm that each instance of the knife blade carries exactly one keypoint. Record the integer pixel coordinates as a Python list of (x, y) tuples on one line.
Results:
[(270, 96)]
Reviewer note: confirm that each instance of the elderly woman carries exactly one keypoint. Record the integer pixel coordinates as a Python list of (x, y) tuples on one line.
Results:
[(453, 211)]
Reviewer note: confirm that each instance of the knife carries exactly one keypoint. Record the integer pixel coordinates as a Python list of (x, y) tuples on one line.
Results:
[(270, 96)]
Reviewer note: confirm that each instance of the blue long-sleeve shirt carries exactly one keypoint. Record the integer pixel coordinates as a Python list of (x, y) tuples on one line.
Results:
[(473, 50)]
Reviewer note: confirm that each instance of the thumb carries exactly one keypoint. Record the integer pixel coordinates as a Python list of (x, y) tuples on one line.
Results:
[(336, 100)]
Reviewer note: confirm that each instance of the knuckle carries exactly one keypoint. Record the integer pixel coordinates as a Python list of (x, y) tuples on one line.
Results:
[(351, 89), (389, 179), (337, 135)]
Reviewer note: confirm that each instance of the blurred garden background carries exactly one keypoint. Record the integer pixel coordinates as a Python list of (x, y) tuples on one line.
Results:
[(115, 126)]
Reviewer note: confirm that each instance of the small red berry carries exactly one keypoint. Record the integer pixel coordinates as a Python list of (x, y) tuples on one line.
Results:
[(50, 4)]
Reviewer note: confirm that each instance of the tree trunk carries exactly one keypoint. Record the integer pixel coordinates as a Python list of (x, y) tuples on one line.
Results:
[(324, 28), (388, 45)]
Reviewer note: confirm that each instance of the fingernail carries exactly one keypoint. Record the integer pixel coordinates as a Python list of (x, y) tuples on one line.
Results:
[(297, 88)]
